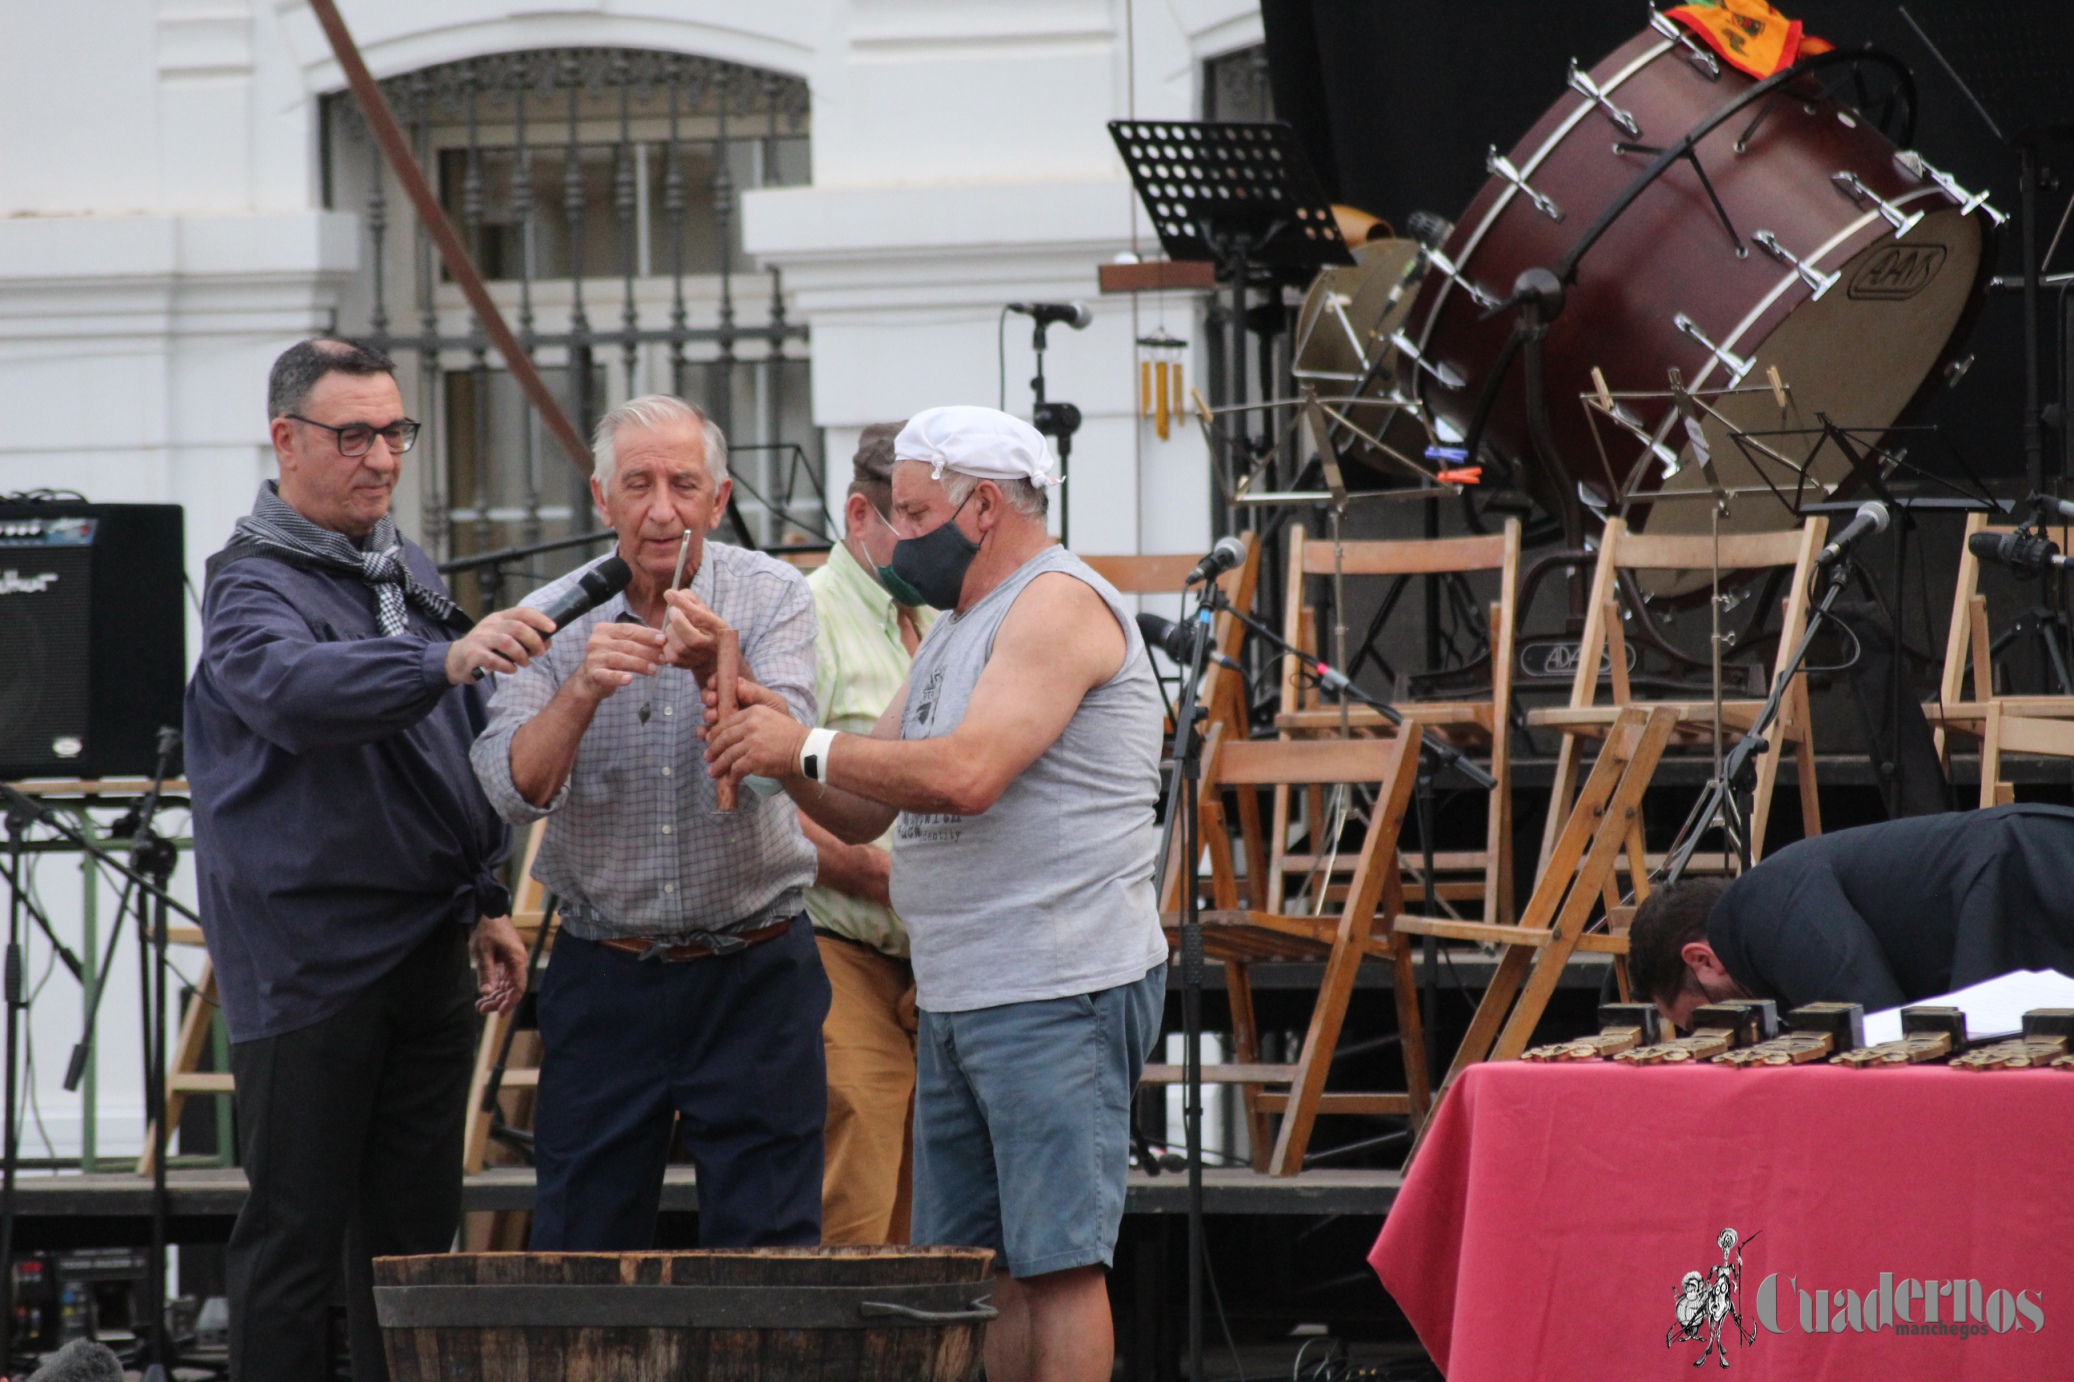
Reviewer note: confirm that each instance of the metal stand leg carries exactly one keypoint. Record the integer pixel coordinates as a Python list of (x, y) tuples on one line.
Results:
[(1429, 950), (10, 1132)]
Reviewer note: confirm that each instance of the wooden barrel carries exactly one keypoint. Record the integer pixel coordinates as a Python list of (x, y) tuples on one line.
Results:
[(801, 1314)]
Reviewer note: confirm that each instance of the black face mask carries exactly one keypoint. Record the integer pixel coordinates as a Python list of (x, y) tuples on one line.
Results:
[(889, 579), (935, 563)]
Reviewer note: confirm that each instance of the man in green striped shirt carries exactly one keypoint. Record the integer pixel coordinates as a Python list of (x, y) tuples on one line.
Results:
[(866, 640)]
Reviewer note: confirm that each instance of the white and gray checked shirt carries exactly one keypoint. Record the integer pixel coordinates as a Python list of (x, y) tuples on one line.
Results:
[(634, 844)]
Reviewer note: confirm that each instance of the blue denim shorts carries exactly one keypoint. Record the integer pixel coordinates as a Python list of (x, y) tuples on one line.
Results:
[(1023, 1124)]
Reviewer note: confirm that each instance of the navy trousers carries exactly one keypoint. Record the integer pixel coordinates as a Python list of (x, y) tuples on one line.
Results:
[(732, 1043)]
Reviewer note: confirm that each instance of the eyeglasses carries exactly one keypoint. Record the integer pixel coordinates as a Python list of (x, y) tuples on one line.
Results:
[(357, 438)]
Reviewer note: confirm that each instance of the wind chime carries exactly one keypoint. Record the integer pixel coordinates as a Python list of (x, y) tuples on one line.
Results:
[(1159, 380)]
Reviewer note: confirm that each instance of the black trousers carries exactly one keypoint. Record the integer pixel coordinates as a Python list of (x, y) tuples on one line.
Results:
[(731, 1043), (351, 1134)]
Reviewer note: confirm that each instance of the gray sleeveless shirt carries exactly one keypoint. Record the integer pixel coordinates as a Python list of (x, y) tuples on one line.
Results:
[(1049, 892)]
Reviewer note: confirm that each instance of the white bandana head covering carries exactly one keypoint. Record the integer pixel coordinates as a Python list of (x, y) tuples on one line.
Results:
[(982, 442)]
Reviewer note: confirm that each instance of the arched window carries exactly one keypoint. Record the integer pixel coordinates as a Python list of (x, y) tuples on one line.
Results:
[(598, 191)]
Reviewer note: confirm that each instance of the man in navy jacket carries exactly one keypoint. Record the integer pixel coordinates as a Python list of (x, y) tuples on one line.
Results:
[(1879, 915), (347, 863)]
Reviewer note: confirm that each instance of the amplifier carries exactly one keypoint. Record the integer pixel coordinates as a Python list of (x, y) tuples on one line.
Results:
[(93, 637)]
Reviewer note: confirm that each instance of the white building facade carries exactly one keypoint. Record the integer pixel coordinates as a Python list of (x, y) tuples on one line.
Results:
[(182, 195)]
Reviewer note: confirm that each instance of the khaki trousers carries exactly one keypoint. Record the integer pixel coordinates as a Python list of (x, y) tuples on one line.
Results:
[(870, 1038)]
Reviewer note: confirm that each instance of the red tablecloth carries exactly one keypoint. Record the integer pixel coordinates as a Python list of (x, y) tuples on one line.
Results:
[(1548, 1226)]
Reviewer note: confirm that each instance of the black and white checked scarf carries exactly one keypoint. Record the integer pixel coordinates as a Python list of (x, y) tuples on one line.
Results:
[(274, 523)]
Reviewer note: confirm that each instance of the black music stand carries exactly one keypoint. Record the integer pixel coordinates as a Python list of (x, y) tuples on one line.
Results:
[(1872, 467), (1240, 194)]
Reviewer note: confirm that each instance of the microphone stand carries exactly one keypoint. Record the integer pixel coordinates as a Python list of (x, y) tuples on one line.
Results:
[(1727, 796), (18, 819), (1181, 818), (1059, 421), (155, 857), (150, 869), (1444, 753)]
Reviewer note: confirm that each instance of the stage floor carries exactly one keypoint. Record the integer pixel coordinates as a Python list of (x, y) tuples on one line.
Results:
[(107, 1206)]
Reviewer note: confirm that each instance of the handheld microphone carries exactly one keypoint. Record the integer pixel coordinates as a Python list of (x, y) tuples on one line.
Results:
[(1074, 314), (1872, 518), (598, 585), (1228, 553), (2024, 553), (82, 1360), (1177, 641)]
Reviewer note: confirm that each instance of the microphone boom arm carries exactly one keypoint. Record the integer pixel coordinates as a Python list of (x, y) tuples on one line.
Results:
[(1429, 742)]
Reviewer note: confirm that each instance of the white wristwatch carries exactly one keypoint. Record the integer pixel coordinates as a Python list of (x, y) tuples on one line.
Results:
[(813, 754)]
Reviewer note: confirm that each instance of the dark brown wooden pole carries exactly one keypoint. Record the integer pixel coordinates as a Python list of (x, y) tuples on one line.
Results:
[(726, 667), (445, 238)]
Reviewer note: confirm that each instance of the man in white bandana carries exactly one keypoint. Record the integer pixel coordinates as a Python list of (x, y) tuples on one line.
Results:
[(1020, 766)]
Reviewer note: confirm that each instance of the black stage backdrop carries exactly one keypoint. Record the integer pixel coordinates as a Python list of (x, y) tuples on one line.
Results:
[(1398, 100)]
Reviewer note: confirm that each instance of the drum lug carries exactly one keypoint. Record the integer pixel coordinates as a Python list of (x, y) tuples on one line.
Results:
[(1440, 372), (1809, 274), (1735, 364), (1920, 168), (1708, 65), (1621, 414), (1478, 294), (1583, 85), (1848, 184), (1499, 166)]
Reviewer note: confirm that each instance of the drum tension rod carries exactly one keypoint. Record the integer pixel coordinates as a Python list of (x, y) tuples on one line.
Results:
[(1708, 65), (1583, 85), (1922, 170), (1848, 184), (1499, 166), (1438, 369), (1736, 365), (1691, 155), (1809, 274), (1480, 295)]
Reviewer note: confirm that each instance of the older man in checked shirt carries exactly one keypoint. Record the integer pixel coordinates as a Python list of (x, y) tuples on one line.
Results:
[(685, 981)]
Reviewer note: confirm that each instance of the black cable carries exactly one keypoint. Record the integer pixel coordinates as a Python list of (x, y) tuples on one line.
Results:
[(1857, 652), (1217, 1298)]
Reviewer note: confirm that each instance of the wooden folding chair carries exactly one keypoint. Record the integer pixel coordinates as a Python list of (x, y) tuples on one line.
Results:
[(1349, 925), (1604, 825), (1223, 691), (505, 1230), (1604, 644), (185, 1078), (1476, 723), (2006, 731), (522, 1069), (1966, 650)]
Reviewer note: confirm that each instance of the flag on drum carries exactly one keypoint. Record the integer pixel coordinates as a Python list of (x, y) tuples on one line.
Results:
[(1750, 35)]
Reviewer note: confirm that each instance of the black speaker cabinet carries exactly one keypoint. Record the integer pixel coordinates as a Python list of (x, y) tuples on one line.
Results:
[(93, 637)]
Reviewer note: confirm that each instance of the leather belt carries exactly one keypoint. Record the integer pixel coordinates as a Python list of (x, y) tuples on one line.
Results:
[(648, 948)]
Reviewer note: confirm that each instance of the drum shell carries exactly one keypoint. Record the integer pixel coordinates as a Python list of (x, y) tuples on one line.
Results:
[(1668, 253)]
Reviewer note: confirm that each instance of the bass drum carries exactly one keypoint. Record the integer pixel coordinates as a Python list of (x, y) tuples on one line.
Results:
[(1343, 343), (1846, 266)]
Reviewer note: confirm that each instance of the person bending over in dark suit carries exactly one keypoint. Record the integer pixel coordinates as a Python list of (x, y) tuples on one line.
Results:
[(1880, 915)]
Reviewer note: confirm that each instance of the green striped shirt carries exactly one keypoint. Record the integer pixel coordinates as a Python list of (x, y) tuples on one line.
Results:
[(860, 663)]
